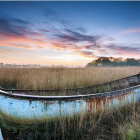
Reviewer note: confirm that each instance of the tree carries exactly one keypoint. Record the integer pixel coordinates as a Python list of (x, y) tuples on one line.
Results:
[(131, 62), (111, 61)]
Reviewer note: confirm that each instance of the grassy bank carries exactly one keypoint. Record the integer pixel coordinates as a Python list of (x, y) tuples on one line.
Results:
[(61, 78), (116, 124)]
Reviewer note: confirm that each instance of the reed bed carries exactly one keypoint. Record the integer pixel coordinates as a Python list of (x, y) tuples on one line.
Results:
[(61, 78)]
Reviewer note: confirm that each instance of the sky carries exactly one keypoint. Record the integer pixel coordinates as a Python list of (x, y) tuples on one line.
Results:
[(68, 33)]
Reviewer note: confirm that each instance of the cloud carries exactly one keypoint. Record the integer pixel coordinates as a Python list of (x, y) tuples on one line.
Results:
[(25, 46), (123, 48), (79, 43), (15, 35), (20, 41), (86, 54), (81, 29), (21, 21), (8, 26), (9, 51), (51, 15), (131, 31), (1, 51), (72, 36), (23, 34)]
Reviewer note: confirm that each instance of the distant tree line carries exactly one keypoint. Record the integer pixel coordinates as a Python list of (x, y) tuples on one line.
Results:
[(113, 62)]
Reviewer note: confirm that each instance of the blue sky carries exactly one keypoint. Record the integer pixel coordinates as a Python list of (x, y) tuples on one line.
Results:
[(68, 33)]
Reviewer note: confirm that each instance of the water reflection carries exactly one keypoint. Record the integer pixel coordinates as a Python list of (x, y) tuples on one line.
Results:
[(21, 118)]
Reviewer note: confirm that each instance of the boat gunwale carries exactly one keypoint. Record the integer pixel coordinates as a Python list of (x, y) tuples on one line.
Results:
[(11, 93), (105, 94)]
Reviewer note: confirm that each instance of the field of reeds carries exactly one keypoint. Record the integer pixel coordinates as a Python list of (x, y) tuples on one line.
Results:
[(61, 78)]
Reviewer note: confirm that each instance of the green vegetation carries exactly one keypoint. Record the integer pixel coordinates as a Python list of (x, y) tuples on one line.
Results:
[(114, 62), (130, 131), (114, 124)]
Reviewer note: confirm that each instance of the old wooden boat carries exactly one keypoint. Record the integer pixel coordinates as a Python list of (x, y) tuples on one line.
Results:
[(29, 104), (26, 110)]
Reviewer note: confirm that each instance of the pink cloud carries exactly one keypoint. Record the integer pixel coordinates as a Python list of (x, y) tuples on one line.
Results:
[(130, 31), (21, 41)]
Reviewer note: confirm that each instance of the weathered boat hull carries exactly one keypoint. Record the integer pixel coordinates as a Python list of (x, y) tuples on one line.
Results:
[(46, 110), (28, 113), (30, 107)]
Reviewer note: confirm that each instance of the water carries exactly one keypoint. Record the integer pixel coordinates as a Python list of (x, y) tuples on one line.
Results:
[(40, 119)]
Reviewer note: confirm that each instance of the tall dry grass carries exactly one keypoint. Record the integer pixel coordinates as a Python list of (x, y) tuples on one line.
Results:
[(61, 78)]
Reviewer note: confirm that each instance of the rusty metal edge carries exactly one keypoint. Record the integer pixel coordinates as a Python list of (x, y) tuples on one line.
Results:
[(67, 97)]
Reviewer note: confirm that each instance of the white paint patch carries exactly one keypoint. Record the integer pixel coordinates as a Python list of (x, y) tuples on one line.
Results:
[(1, 138)]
